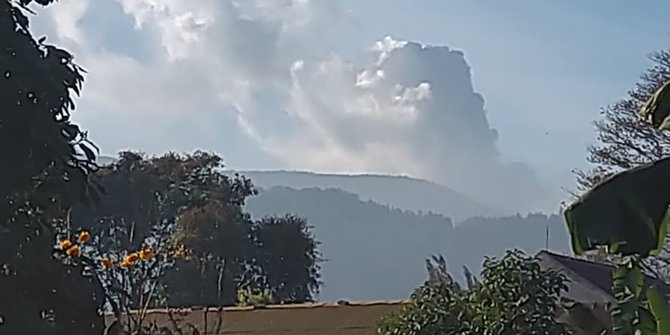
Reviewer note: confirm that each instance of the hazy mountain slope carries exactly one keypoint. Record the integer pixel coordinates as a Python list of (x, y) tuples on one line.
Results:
[(377, 252), (396, 191), (401, 192)]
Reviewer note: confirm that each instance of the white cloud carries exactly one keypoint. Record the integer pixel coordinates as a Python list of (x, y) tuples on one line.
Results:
[(401, 107)]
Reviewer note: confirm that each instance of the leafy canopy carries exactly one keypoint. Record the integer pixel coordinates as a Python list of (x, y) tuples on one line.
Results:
[(514, 296), (191, 199), (48, 162)]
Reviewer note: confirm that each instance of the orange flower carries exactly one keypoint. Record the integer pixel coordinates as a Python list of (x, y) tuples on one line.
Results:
[(84, 236), (180, 252), (131, 258), (65, 244), (106, 263), (73, 251), (124, 264), (146, 254)]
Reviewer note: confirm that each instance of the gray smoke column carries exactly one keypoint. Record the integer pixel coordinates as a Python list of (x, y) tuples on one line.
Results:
[(273, 71), (403, 108)]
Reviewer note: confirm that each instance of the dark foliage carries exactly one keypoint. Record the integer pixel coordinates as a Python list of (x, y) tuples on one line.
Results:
[(624, 212), (521, 298), (42, 295), (515, 296), (48, 166), (203, 209), (222, 246), (49, 154), (287, 258)]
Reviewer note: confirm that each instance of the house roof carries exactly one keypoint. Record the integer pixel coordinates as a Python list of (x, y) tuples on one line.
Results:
[(599, 274), (355, 318)]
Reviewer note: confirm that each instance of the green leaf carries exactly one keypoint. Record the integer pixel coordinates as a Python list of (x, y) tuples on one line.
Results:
[(628, 277), (627, 286), (626, 212), (663, 232), (647, 323), (657, 108), (660, 309)]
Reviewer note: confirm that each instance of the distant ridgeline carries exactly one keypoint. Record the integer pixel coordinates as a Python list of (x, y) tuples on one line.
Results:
[(413, 194), (376, 252), (377, 231), (397, 191)]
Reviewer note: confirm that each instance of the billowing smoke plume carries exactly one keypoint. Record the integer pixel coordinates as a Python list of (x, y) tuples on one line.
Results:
[(398, 107)]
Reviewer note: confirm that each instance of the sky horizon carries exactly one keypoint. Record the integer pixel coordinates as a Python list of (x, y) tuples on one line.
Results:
[(496, 101)]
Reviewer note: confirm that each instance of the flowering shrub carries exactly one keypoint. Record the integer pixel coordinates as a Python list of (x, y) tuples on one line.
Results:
[(131, 279)]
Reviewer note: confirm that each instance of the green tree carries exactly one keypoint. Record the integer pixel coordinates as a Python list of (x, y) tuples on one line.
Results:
[(185, 197), (49, 154), (247, 297), (287, 259), (222, 247), (514, 296), (190, 198), (521, 297), (434, 309), (49, 164)]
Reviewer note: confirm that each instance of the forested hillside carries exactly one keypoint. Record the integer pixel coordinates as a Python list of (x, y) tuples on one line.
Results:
[(359, 238), (397, 191)]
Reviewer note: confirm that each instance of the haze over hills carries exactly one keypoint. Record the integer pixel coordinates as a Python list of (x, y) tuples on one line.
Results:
[(396, 191), (378, 252)]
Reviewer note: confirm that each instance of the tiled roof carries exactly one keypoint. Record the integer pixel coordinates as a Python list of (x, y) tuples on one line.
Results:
[(599, 274), (355, 318)]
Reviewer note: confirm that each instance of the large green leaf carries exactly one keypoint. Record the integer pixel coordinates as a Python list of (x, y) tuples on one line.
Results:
[(657, 109), (626, 212), (660, 309)]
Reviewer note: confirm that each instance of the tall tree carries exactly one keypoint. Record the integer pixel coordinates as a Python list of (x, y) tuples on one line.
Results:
[(287, 259), (186, 196), (45, 151), (220, 240), (623, 140), (202, 208), (48, 162)]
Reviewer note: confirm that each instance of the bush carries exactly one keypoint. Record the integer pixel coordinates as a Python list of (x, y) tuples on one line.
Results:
[(515, 296)]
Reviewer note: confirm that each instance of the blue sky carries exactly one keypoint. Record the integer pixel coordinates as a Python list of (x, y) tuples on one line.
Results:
[(272, 84)]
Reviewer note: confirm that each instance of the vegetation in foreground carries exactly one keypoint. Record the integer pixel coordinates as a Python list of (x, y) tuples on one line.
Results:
[(514, 296)]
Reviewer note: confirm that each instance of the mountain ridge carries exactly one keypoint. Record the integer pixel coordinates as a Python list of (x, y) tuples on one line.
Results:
[(400, 191), (375, 251)]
